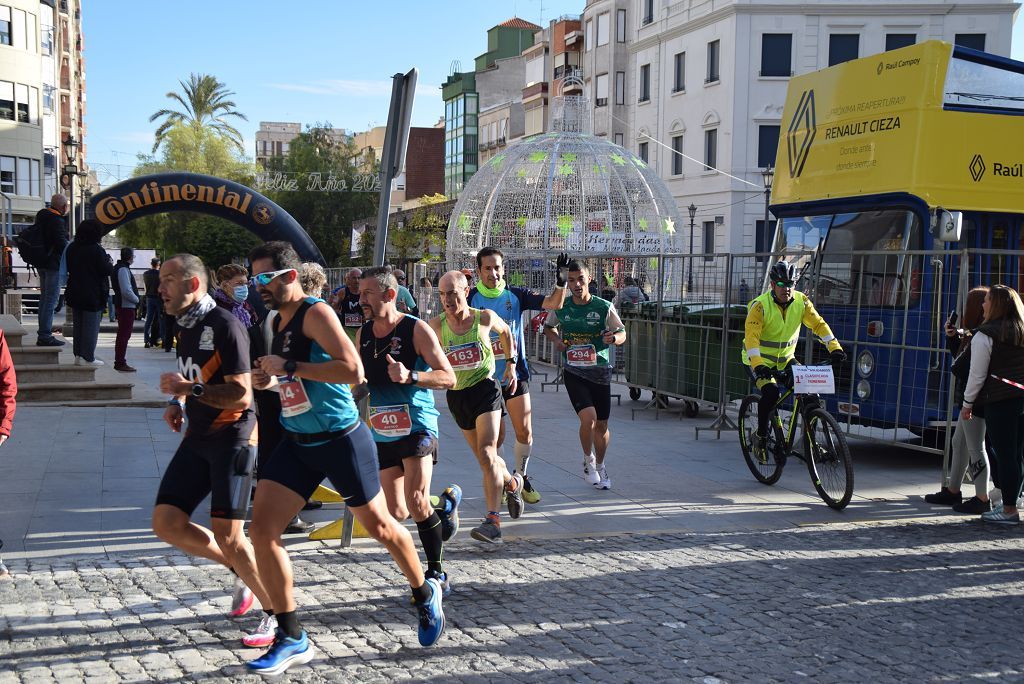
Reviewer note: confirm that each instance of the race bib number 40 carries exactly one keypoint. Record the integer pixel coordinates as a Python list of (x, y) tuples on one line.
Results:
[(391, 421), (294, 400), (581, 355), (813, 380), (466, 356)]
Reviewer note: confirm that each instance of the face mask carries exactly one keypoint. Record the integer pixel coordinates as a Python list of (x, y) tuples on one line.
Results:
[(241, 293)]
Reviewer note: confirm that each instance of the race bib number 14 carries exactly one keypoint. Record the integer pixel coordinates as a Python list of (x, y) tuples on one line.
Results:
[(294, 400)]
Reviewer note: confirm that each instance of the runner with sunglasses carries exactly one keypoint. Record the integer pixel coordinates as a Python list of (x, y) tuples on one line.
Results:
[(772, 331), (313, 363)]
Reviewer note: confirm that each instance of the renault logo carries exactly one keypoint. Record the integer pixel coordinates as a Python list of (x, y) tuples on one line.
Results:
[(977, 168), (801, 133)]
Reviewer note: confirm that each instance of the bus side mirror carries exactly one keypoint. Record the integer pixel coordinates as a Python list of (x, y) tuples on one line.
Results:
[(946, 225)]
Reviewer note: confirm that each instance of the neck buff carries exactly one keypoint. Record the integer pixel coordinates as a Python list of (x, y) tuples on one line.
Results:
[(489, 292), (195, 313)]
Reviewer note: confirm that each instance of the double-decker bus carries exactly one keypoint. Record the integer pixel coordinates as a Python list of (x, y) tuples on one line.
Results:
[(899, 185)]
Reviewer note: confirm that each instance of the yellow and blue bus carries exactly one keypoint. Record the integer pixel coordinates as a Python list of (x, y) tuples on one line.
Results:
[(899, 185)]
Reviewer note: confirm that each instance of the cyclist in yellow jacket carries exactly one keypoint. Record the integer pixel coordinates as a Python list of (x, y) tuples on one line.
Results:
[(772, 331)]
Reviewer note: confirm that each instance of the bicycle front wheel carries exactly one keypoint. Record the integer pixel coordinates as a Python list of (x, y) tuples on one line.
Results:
[(828, 459), (763, 465)]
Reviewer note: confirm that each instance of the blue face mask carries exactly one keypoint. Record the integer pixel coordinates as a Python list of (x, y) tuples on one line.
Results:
[(241, 293)]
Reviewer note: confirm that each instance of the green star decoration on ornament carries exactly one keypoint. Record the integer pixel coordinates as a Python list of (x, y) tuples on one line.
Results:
[(521, 221), (599, 170), (521, 173), (565, 169), (498, 160), (465, 223), (670, 226), (568, 156), (538, 157), (639, 162), (643, 224), (617, 159), (564, 225)]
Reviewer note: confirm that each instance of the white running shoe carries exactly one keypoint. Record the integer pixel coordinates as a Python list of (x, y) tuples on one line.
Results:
[(590, 470), (264, 634), (603, 482), (242, 599), (95, 363)]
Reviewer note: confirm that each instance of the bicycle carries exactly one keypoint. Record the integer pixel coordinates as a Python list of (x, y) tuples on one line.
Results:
[(824, 451)]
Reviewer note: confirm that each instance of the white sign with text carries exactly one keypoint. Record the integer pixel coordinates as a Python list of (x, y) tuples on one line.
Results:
[(814, 380)]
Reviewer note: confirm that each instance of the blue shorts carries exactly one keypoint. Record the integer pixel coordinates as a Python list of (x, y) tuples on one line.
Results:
[(349, 461)]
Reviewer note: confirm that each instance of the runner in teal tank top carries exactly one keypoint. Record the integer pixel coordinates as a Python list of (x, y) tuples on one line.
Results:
[(583, 330), (313, 359), (475, 402)]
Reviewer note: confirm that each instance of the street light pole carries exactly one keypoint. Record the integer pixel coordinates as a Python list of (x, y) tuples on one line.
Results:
[(689, 275), (767, 175), (71, 170)]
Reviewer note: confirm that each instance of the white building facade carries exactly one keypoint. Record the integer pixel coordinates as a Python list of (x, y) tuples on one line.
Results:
[(708, 78)]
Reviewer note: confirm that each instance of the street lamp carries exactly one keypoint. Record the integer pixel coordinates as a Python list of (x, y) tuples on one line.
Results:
[(689, 276), (767, 175), (71, 170)]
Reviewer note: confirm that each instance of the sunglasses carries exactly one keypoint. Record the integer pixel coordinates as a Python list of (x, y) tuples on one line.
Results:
[(265, 278), (777, 282)]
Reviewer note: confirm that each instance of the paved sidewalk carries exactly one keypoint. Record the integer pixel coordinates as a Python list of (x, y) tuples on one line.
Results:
[(687, 569)]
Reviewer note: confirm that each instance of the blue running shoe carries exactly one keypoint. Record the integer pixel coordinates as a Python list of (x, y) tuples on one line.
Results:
[(442, 578), (431, 615), (450, 517), (285, 652)]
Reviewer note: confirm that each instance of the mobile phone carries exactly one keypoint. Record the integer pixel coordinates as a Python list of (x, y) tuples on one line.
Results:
[(952, 317)]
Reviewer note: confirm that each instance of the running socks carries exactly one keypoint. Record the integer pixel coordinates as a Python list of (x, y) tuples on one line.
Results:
[(439, 505), (430, 537), (422, 593), (494, 517), (289, 624), (522, 452)]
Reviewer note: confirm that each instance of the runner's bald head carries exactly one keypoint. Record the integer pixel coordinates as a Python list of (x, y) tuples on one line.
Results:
[(456, 279)]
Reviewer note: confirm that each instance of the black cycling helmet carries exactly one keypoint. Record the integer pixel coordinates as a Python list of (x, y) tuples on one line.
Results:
[(783, 272)]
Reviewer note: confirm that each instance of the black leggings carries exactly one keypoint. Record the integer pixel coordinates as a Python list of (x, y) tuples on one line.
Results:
[(769, 397)]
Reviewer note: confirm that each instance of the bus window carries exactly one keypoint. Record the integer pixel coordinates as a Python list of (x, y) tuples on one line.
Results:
[(863, 252)]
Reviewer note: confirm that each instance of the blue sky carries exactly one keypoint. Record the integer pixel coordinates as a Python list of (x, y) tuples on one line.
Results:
[(307, 62)]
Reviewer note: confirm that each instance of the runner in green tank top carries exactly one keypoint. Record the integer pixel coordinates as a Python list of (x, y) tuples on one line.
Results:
[(475, 403)]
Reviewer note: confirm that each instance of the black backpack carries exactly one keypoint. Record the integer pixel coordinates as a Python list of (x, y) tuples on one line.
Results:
[(31, 244)]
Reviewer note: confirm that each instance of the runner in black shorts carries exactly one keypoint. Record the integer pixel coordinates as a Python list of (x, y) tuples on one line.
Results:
[(583, 330), (403, 362), (217, 456), (475, 402), (313, 362)]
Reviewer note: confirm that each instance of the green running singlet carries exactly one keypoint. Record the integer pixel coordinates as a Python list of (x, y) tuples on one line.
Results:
[(471, 357)]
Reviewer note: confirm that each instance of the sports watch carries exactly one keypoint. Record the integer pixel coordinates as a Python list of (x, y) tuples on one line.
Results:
[(289, 367), (198, 389), (414, 377)]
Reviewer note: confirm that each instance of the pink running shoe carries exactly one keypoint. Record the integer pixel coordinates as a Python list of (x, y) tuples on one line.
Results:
[(241, 600), (264, 634)]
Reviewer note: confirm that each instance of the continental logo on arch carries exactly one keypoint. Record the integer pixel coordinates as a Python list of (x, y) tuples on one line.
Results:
[(113, 210), (800, 134)]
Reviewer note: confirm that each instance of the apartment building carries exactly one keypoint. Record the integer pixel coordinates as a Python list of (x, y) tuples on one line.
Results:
[(42, 105), (708, 80)]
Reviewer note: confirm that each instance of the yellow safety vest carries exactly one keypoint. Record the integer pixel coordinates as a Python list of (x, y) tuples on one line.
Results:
[(779, 335)]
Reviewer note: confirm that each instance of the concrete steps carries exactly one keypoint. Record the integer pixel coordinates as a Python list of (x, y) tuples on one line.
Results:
[(49, 372), (43, 379), (34, 356)]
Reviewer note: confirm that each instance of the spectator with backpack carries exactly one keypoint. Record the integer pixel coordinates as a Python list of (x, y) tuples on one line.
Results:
[(41, 246)]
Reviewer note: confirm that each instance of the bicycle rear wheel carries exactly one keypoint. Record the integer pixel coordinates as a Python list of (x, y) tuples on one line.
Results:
[(828, 459), (765, 468)]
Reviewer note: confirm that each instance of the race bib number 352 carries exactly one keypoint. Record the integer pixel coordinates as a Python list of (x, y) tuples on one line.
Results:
[(391, 421), (466, 356)]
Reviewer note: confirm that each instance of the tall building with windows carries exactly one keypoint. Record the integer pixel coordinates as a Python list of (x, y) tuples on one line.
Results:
[(708, 81), (495, 84), (42, 102), (608, 28)]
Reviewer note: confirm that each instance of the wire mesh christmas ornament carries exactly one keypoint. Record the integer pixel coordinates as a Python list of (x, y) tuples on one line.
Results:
[(564, 191)]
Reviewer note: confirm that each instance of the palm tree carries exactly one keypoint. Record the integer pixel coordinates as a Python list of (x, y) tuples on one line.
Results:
[(205, 103)]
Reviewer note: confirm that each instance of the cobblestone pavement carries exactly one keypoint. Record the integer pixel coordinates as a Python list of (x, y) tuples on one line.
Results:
[(919, 601)]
